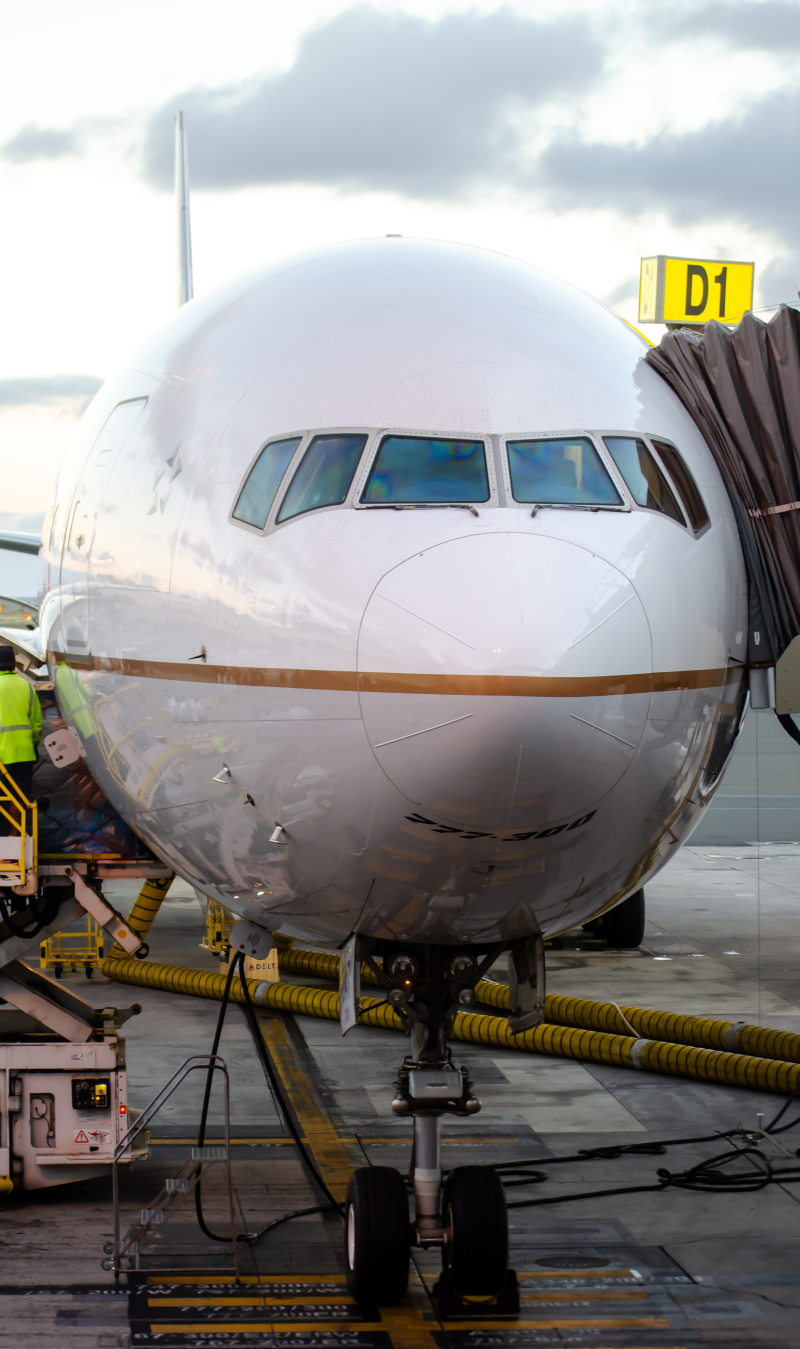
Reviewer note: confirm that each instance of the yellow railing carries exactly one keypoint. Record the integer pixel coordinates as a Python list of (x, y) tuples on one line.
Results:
[(81, 949), (19, 840)]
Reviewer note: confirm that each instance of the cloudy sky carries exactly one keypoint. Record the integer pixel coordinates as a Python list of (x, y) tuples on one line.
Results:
[(578, 136)]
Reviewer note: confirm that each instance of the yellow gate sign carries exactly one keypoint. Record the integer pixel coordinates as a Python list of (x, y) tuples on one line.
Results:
[(694, 290)]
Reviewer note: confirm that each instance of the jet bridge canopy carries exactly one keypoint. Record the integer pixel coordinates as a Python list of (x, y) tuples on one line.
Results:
[(742, 388)]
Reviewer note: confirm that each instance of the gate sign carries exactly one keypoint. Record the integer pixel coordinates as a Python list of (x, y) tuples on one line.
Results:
[(694, 290)]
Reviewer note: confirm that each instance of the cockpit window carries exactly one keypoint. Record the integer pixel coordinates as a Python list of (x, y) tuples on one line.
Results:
[(255, 500), (563, 472), (647, 483), (324, 475), (688, 491), (421, 470)]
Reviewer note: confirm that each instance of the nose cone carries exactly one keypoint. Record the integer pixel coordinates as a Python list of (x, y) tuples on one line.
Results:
[(498, 680)]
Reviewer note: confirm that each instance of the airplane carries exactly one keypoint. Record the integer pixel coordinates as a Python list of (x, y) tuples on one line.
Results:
[(398, 605)]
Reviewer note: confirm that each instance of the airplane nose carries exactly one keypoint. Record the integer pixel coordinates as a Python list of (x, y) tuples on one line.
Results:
[(503, 680)]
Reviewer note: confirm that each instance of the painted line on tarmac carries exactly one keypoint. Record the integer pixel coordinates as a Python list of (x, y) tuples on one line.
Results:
[(324, 1143)]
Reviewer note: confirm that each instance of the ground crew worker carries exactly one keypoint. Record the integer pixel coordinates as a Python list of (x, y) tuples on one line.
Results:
[(20, 724)]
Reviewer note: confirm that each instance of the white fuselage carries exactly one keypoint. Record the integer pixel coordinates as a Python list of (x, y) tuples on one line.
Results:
[(466, 723)]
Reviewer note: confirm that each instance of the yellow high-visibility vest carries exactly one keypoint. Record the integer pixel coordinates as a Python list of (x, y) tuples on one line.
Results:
[(20, 718)]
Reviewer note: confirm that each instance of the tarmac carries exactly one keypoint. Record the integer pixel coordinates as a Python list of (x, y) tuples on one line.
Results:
[(667, 1267)]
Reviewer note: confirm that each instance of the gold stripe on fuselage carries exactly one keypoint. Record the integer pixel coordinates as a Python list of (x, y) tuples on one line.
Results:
[(353, 681)]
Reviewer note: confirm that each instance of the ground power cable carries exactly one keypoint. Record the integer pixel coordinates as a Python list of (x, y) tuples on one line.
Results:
[(276, 1087), (711, 1175), (201, 1132), (250, 1238)]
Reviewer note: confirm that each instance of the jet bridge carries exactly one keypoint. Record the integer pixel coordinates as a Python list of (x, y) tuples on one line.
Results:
[(63, 1098), (742, 388)]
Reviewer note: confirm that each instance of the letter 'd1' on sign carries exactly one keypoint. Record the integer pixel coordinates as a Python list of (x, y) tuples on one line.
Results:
[(694, 290)]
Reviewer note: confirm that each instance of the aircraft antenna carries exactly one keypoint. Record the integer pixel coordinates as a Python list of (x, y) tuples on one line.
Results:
[(185, 284)]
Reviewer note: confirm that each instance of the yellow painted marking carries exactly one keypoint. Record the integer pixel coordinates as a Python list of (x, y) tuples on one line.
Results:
[(446, 1138), (265, 1327), (252, 1301), (345, 1138), (235, 1142), (205, 1279), (629, 1323), (408, 1325), (324, 1143)]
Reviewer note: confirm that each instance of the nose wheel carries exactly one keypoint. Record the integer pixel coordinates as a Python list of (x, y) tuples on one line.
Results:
[(475, 1223), (377, 1236)]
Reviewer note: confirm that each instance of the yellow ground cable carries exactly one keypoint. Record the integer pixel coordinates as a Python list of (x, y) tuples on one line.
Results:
[(585, 1014), (706, 1065), (145, 907)]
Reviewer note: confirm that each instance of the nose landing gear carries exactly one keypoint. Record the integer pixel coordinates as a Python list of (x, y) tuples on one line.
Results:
[(466, 1216)]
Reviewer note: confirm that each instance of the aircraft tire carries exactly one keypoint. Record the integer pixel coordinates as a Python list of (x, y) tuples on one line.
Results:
[(623, 927), (475, 1220), (377, 1236)]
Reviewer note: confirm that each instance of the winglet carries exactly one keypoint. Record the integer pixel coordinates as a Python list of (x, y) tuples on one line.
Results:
[(185, 284)]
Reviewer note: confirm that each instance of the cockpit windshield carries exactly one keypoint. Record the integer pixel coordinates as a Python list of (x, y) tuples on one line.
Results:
[(255, 500), (560, 472), (420, 470), (648, 486), (324, 475)]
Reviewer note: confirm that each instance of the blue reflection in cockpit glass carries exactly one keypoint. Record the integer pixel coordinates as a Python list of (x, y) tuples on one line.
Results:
[(262, 482), (413, 469), (560, 472), (324, 476)]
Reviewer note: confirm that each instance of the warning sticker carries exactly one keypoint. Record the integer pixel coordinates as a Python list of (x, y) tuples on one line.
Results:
[(93, 1136)]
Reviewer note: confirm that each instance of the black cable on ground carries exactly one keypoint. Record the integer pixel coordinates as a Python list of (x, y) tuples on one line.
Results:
[(276, 1087), (250, 1238), (713, 1175), (201, 1132)]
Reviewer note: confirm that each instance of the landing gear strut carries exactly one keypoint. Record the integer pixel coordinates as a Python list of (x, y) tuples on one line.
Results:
[(466, 1217)]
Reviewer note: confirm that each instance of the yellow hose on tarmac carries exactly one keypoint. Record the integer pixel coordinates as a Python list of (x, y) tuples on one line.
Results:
[(145, 907), (585, 1014), (706, 1065), (672, 1027)]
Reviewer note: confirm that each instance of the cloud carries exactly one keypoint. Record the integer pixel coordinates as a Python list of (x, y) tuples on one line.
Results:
[(36, 142), (22, 523), (35, 390), (740, 169), (386, 101), (779, 280), (766, 25)]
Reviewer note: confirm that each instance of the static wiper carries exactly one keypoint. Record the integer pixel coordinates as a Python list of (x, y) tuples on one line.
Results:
[(435, 505)]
